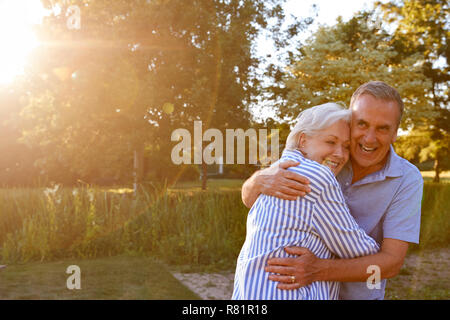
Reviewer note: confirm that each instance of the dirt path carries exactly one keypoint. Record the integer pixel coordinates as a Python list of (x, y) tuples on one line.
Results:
[(426, 269)]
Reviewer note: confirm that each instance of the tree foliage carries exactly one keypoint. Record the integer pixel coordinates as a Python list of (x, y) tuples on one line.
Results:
[(338, 59), (135, 71), (423, 30)]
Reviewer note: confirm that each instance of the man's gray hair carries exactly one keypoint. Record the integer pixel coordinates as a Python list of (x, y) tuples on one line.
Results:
[(315, 119), (379, 90)]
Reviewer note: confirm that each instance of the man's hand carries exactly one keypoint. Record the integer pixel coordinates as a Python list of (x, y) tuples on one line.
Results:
[(275, 181), (303, 268), (279, 182), (307, 268)]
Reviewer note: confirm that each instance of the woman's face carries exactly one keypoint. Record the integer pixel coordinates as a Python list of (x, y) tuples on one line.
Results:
[(330, 146)]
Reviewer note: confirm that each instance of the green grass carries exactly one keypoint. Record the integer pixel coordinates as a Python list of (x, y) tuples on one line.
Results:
[(121, 277), (182, 226), (196, 228), (435, 218)]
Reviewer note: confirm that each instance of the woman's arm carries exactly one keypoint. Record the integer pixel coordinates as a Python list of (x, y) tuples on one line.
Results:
[(337, 227)]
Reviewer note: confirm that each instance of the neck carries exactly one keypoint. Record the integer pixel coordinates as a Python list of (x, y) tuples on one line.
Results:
[(360, 172)]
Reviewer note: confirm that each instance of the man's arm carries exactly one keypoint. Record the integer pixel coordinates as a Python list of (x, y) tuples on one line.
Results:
[(275, 181), (307, 268)]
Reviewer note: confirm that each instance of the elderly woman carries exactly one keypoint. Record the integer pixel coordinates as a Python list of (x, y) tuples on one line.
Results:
[(320, 221)]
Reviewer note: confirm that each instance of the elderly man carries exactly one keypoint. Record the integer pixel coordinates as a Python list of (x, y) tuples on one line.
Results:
[(382, 191)]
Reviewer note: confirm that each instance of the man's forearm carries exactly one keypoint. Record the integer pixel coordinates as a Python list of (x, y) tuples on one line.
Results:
[(275, 181), (355, 270), (250, 190)]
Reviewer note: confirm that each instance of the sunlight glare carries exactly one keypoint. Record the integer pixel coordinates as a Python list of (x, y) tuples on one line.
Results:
[(17, 38)]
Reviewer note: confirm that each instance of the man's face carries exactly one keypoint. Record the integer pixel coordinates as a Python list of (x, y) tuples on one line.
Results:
[(373, 129)]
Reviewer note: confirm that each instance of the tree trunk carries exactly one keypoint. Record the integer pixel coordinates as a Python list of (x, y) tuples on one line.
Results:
[(437, 170), (138, 167), (204, 174)]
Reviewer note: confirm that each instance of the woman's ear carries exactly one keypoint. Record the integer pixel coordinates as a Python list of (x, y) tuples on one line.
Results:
[(301, 141)]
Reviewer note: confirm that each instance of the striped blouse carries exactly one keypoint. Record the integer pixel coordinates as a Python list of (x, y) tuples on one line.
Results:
[(320, 221)]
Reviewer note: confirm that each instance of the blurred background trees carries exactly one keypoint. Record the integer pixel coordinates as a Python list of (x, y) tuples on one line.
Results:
[(98, 104), (423, 31), (103, 98)]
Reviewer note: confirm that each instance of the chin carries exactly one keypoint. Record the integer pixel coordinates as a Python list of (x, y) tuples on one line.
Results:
[(336, 171), (364, 163)]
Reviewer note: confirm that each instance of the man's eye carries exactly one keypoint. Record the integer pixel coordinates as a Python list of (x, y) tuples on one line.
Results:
[(331, 142)]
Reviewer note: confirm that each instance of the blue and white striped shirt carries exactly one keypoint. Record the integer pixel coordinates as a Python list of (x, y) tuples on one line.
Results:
[(320, 221)]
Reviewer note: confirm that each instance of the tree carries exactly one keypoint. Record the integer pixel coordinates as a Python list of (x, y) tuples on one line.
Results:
[(134, 72), (16, 163), (336, 60), (419, 146), (423, 30)]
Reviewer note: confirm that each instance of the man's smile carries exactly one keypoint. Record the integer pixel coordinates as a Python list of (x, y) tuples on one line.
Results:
[(367, 149)]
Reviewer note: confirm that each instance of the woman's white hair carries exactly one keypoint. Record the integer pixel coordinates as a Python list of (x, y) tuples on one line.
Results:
[(315, 119)]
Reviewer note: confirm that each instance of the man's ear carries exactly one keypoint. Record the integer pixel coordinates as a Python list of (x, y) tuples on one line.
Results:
[(394, 137)]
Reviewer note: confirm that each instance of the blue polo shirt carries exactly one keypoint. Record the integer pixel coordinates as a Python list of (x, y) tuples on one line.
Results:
[(385, 204)]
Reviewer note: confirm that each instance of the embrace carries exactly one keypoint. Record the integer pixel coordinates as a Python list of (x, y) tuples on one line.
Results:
[(339, 201)]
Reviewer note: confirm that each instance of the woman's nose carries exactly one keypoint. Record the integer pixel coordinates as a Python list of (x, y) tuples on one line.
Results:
[(340, 152)]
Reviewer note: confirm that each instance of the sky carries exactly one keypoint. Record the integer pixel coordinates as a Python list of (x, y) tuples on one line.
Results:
[(327, 13), (328, 10)]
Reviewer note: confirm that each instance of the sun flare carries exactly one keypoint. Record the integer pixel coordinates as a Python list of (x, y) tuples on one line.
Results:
[(17, 38)]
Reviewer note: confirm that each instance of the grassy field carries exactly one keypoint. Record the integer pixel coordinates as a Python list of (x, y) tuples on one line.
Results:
[(181, 226), (121, 277)]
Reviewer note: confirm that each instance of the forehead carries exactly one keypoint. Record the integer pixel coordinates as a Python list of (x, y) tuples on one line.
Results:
[(340, 129), (375, 111)]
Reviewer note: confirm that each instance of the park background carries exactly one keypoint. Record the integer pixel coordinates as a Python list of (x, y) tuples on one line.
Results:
[(91, 91)]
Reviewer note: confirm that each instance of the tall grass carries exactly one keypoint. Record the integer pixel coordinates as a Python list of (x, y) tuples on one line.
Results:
[(179, 228), (435, 219), (185, 227)]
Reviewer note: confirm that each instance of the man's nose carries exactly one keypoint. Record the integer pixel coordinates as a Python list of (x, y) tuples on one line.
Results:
[(370, 137)]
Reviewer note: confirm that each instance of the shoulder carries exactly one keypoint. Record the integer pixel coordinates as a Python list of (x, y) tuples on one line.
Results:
[(410, 186), (400, 167), (411, 174)]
